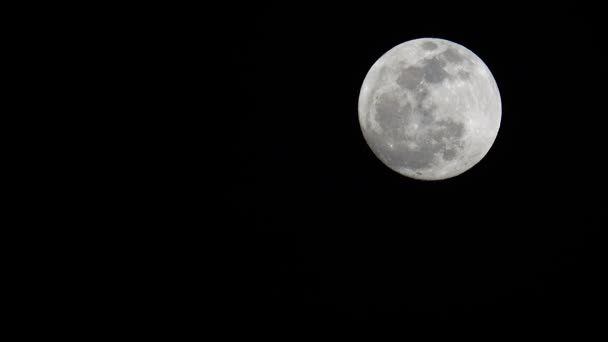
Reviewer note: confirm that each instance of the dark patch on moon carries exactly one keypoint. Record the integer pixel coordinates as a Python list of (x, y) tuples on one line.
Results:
[(410, 77), (452, 55), (448, 128), (434, 71), (464, 75), (427, 115), (431, 71), (429, 46), (449, 154), (391, 115)]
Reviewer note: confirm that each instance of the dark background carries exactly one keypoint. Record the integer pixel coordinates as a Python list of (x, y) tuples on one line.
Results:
[(324, 230)]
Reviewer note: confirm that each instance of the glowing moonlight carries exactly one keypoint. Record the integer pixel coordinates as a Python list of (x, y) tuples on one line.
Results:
[(429, 109)]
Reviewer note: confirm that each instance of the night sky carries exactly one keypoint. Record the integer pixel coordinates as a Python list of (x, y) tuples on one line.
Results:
[(325, 231)]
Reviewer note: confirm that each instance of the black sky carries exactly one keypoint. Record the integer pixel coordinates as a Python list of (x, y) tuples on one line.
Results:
[(327, 231)]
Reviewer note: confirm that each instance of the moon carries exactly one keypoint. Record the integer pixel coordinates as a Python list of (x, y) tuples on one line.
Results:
[(429, 109)]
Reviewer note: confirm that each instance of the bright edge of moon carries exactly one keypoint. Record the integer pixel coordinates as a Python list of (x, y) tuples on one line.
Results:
[(429, 109)]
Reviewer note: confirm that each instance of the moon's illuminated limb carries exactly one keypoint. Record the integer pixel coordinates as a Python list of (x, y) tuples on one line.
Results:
[(429, 109)]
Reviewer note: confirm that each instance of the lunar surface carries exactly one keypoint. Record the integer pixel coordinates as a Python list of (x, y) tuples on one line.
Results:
[(429, 109)]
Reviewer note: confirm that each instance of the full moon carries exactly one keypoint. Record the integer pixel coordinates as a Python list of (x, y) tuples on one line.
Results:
[(429, 109)]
